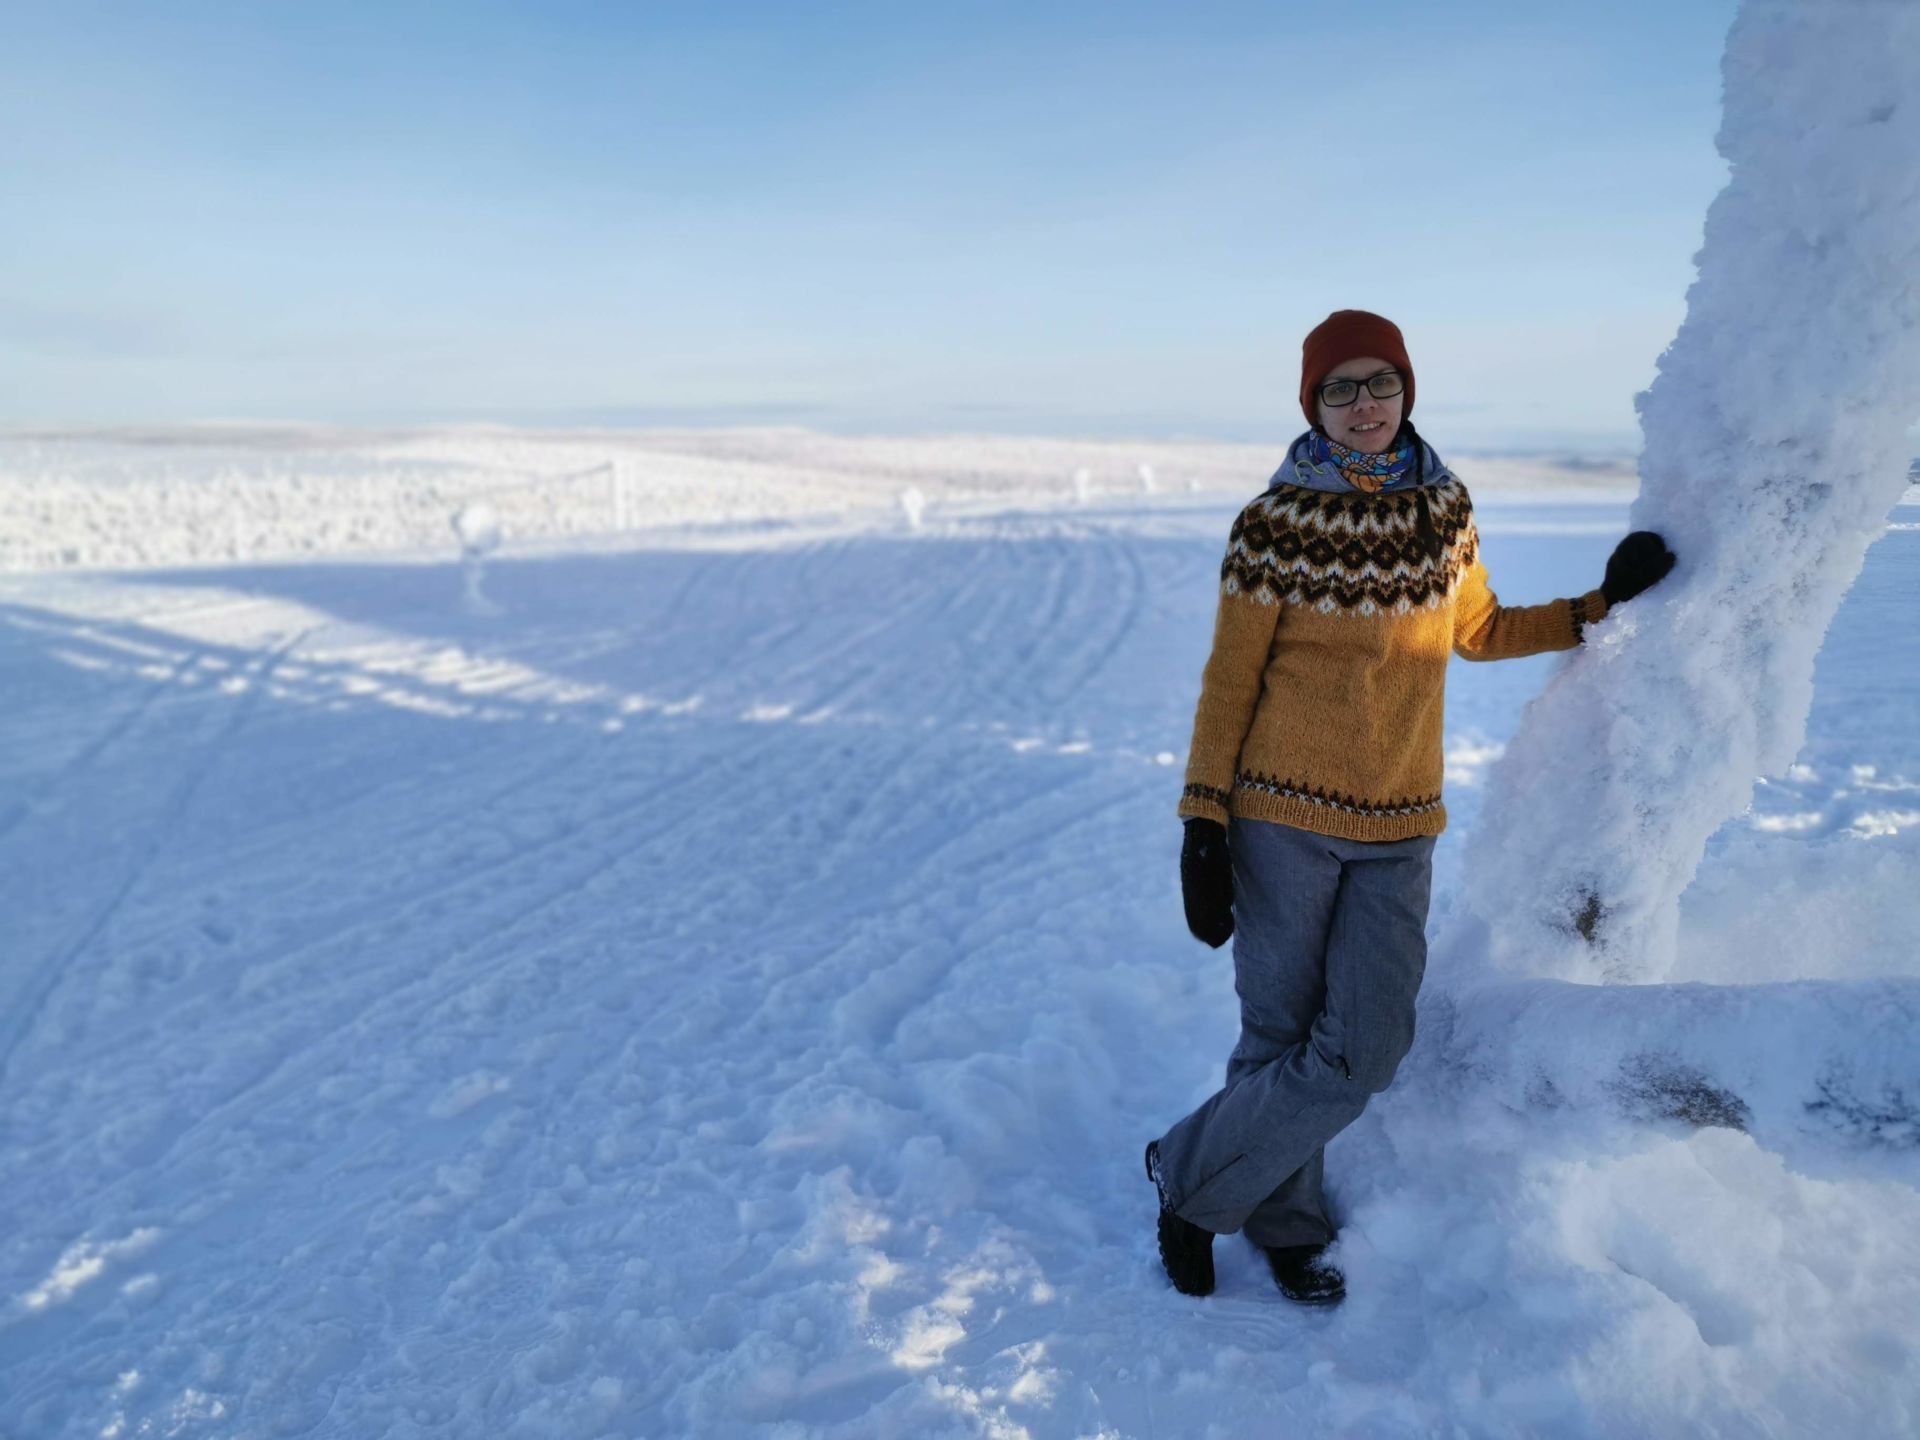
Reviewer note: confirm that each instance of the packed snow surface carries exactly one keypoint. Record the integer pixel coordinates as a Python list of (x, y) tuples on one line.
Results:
[(724, 987)]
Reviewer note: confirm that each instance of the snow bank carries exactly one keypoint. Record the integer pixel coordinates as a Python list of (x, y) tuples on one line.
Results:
[(217, 494)]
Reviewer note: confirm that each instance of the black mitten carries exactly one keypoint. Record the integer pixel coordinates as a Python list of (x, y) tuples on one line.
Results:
[(1637, 562), (1206, 882)]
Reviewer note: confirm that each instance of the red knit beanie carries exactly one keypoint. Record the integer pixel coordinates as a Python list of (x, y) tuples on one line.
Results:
[(1347, 335)]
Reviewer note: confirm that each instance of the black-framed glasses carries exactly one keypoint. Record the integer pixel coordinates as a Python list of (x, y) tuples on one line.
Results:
[(1337, 394)]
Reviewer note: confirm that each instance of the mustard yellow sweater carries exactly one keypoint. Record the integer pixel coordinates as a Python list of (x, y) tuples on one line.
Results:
[(1322, 700)]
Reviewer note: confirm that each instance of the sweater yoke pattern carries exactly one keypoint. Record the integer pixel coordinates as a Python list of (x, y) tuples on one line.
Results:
[(1352, 555)]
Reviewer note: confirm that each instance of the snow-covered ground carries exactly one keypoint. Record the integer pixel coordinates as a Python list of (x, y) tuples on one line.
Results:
[(723, 984)]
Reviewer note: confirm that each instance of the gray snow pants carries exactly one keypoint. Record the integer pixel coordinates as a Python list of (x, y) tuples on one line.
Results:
[(1329, 946)]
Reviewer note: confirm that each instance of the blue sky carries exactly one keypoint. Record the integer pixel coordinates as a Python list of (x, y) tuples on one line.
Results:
[(1108, 219)]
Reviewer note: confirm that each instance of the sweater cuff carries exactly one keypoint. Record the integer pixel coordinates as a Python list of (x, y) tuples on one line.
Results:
[(1203, 802), (1584, 610)]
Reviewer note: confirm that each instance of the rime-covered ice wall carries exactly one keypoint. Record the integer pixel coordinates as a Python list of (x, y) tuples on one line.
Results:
[(1775, 444)]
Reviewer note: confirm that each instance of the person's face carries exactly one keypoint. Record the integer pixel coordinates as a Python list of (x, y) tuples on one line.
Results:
[(1368, 424)]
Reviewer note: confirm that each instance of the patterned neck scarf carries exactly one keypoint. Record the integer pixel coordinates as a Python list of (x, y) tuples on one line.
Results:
[(1371, 473)]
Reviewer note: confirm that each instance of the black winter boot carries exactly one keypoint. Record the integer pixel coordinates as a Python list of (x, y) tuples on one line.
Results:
[(1185, 1249), (1303, 1276)]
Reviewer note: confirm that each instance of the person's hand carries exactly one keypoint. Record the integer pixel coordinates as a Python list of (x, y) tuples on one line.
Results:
[(1206, 882), (1637, 562)]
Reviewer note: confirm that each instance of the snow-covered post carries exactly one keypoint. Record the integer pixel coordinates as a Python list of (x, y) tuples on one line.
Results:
[(478, 528), (1082, 485), (232, 484), (1774, 448), (1146, 478), (617, 475), (914, 503)]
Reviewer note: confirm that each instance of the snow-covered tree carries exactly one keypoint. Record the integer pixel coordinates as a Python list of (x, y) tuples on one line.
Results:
[(1776, 442), (1775, 445)]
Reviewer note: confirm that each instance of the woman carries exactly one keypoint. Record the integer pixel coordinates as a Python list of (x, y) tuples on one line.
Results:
[(1313, 791)]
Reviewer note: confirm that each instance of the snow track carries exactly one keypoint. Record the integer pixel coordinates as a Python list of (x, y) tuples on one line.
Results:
[(729, 990), (126, 863)]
